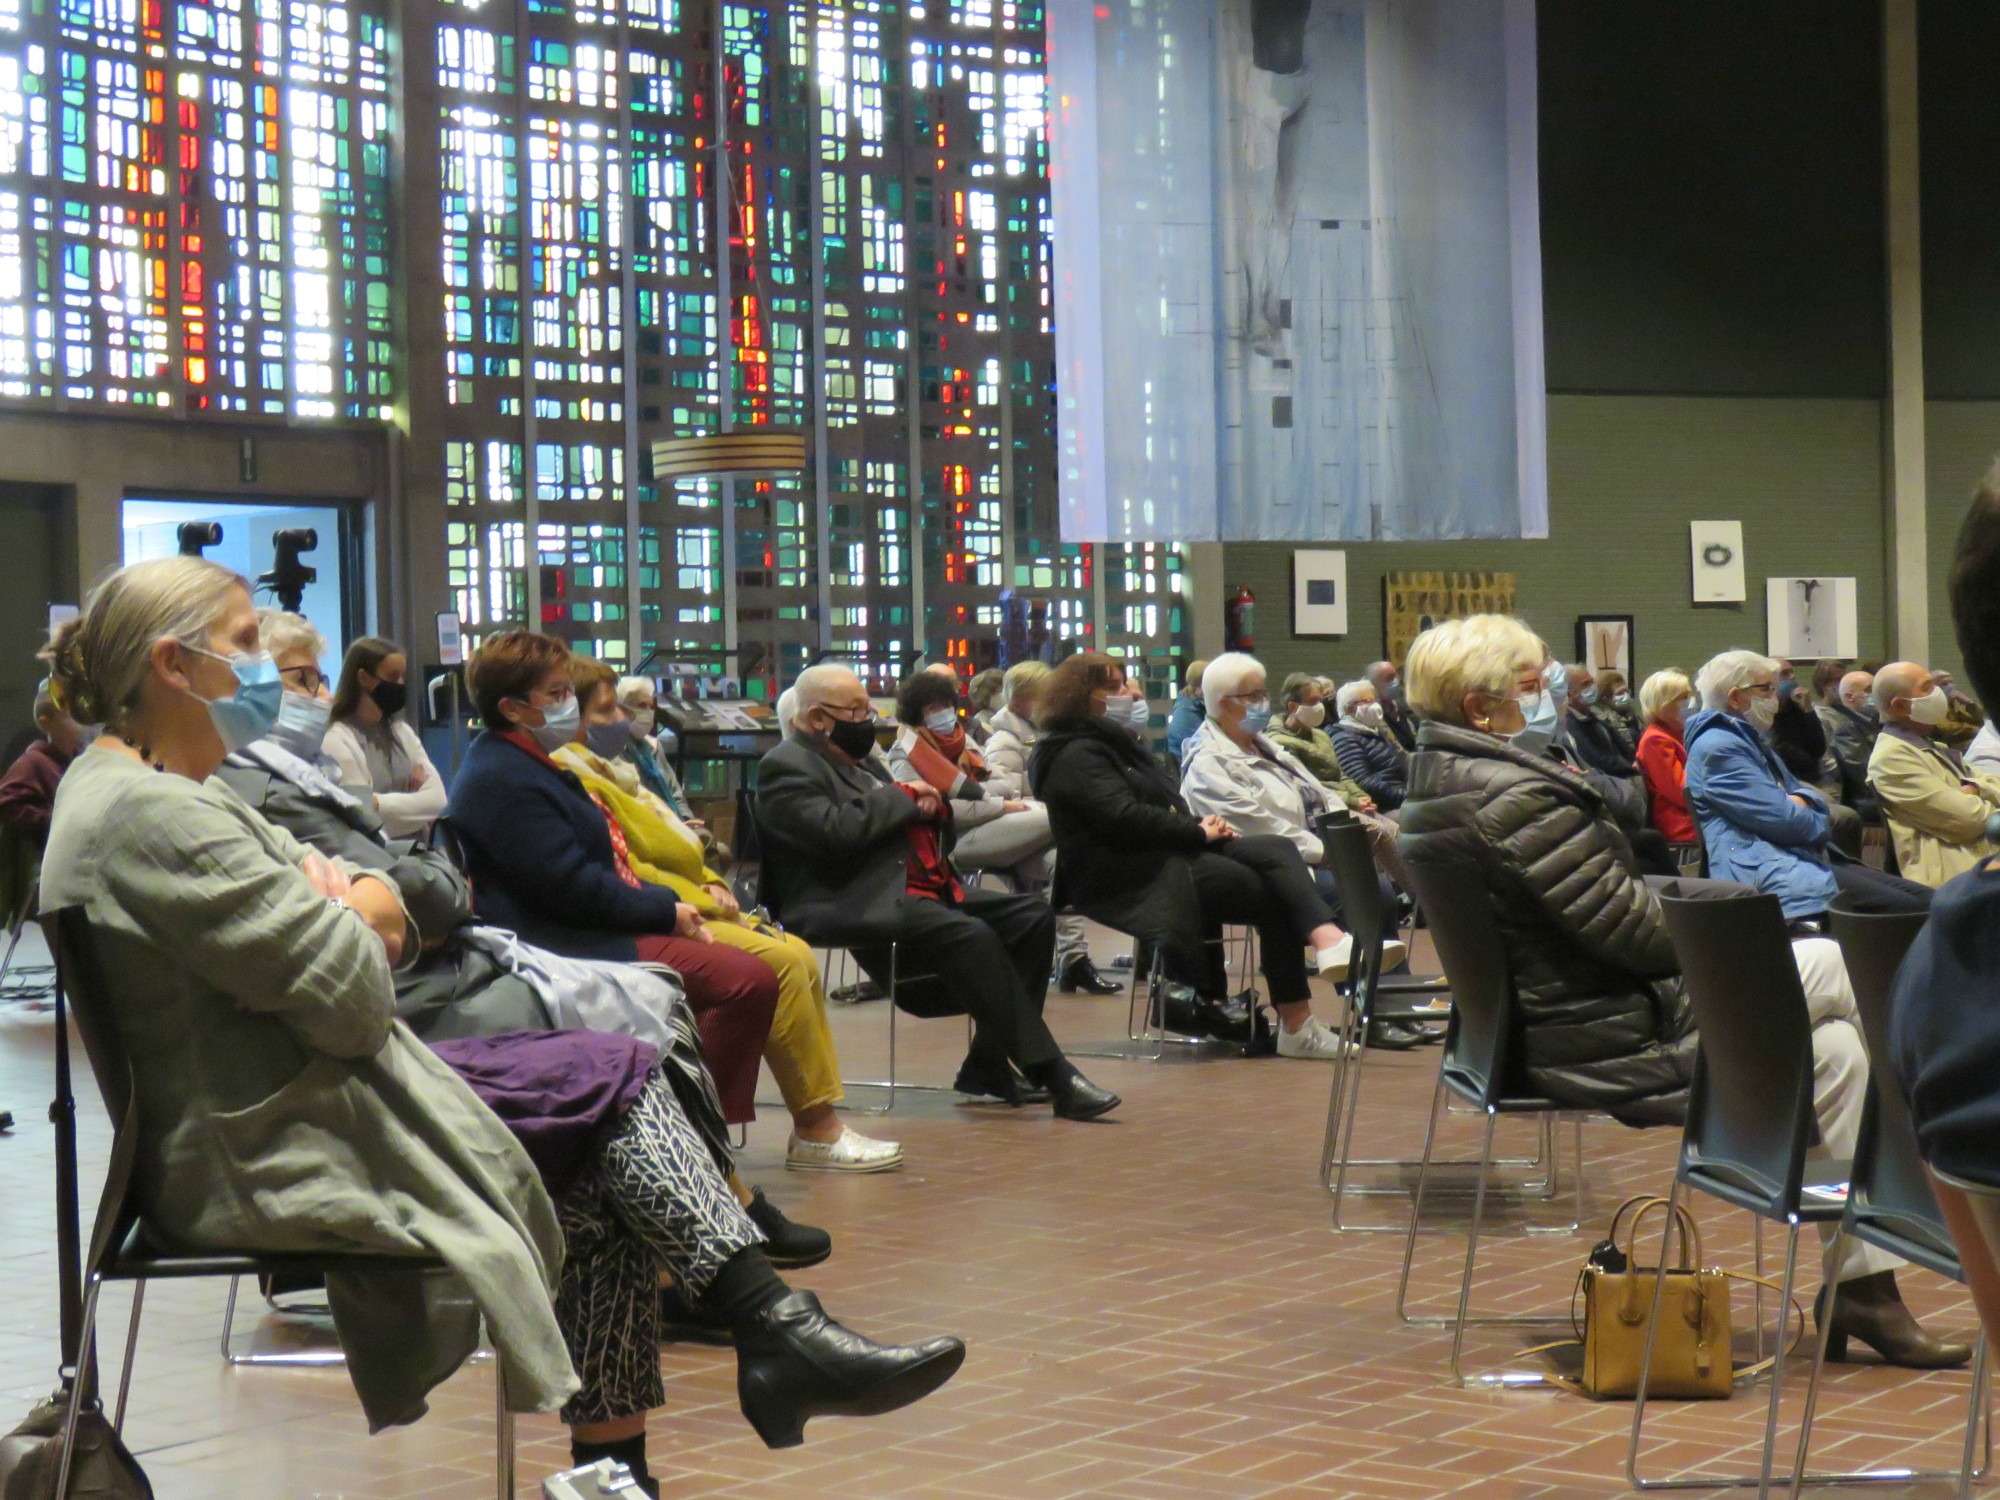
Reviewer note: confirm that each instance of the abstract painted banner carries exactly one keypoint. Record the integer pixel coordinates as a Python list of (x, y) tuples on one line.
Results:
[(1298, 270)]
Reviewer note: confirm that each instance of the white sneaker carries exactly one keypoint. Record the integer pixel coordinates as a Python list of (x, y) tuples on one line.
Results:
[(853, 1152), (1334, 961), (1393, 953), (1315, 1039)]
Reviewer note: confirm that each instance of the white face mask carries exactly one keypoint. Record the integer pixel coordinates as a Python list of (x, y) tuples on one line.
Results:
[(642, 723), (1310, 715), (1369, 714), (1933, 708), (1762, 712)]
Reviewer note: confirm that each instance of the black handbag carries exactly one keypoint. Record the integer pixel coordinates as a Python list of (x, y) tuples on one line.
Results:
[(31, 1455)]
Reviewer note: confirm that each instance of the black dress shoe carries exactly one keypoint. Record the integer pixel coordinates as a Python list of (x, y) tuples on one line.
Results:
[(995, 1079), (1230, 1019), (1080, 975), (793, 1362), (685, 1322), (1396, 1036), (788, 1246), (1077, 1098)]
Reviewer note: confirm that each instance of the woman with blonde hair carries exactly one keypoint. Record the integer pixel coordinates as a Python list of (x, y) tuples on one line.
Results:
[(1665, 699), (281, 1107)]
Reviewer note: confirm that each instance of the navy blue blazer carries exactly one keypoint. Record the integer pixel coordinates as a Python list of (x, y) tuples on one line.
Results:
[(538, 850)]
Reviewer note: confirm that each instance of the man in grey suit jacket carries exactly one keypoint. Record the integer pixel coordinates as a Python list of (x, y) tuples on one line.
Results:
[(853, 859)]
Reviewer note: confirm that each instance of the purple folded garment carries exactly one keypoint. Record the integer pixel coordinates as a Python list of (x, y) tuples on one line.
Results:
[(562, 1093)]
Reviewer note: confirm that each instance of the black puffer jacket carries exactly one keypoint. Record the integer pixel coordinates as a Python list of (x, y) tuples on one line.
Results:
[(1606, 1023)]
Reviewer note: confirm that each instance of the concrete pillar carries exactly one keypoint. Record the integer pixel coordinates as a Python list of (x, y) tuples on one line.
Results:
[(1207, 591), (1908, 607)]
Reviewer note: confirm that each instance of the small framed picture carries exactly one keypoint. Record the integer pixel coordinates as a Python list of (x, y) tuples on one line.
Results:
[(1807, 619), (1604, 644), (1319, 593)]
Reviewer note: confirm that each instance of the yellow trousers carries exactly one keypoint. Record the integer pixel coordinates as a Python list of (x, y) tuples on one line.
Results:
[(800, 1049)]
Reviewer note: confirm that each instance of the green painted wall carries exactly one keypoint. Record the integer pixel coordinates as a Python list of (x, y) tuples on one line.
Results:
[(1626, 475)]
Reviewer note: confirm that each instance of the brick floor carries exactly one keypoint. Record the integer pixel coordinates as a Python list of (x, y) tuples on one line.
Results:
[(1157, 1309)]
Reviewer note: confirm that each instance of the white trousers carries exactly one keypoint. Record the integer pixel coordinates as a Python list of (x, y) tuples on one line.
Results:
[(1840, 1080)]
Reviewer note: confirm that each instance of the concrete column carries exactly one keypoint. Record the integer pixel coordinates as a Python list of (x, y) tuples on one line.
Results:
[(1908, 611), (1206, 589)]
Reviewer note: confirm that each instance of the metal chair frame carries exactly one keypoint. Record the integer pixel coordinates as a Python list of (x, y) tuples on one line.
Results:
[(1146, 1009), (1476, 1062), (1743, 1099)]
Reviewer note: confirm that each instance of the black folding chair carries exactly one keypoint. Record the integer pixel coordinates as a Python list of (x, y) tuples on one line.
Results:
[(1750, 1113), (1476, 1067), (1889, 1200), (124, 1248)]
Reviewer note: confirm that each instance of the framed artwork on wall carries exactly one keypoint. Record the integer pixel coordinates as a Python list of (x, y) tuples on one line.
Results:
[(1412, 602), (1604, 644), (1809, 618), (1319, 593), (1717, 548)]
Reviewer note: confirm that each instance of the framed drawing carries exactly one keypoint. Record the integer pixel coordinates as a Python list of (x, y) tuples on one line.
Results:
[(1413, 602), (1809, 618), (1717, 548), (1319, 593), (1604, 644)]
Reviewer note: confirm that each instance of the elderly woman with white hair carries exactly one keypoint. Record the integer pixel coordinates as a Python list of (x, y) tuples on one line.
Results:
[(1761, 825), (1606, 1024), (651, 753)]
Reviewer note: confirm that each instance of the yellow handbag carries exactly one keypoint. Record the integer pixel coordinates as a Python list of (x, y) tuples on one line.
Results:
[(1691, 1358)]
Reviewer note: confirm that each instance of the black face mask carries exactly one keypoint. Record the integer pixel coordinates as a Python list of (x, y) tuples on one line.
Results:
[(390, 697), (853, 740)]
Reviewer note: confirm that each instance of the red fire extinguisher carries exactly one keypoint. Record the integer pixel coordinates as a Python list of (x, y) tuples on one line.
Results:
[(1239, 630)]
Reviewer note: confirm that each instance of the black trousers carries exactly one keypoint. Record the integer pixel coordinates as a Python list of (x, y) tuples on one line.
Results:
[(1866, 889), (988, 958), (1261, 881)]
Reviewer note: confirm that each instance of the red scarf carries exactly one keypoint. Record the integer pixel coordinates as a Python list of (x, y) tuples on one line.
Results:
[(945, 761), (621, 856), (927, 873)]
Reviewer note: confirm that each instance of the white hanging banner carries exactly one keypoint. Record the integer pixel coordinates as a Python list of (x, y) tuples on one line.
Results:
[(1298, 261)]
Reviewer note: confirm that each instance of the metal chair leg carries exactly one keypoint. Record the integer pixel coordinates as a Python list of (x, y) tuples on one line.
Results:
[(1417, 1207), (503, 1432), (1471, 1256), (131, 1348), (1829, 1261), (76, 1389), (1972, 1423)]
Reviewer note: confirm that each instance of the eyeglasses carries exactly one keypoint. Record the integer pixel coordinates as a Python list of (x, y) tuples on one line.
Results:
[(308, 679)]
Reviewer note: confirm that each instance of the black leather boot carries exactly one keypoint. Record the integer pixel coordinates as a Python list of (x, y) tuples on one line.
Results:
[(1395, 1036), (1080, 975), (793, 1362), (1871, 1309)]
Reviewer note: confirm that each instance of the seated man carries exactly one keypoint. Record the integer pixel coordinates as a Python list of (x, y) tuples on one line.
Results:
[(1761, 825), (28, 790), (853, 858), (1591, 739), (1295, 729), (1936, 806), (1851, 726), (1625, 797), (1389, 692), (1368, 753)]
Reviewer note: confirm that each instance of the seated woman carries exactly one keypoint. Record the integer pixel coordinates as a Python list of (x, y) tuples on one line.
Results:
[(1665, 699), (1616, 704), (380, 758), (282, 1108), (1009, 744), (1367, 751), (650, 752), (545, 863), (468, 980), (1132, 856), (663, 851), (995, 832), (1606, 1024)]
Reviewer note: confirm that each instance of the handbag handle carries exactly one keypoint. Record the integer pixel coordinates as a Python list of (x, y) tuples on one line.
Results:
[(1629, 1311)]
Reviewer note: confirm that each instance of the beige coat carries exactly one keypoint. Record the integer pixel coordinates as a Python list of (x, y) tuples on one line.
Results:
[(280, 1105), (1936, 807)]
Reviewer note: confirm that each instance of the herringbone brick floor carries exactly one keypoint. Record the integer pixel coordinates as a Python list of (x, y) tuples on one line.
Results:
[(1156, 1306)]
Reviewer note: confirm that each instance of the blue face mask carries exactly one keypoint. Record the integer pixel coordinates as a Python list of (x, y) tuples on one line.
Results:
[(607, 741), (1556, 680), (1257, 716), (301, 725), (1540, 728), (1588, 697), (249, 713), (1129, 714), (941, 721), (558, 726)]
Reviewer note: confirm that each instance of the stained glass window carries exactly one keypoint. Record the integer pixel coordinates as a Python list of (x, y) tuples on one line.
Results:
[(194, 206)]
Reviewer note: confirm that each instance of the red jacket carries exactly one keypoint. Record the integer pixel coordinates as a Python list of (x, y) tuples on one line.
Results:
[(1664, 760), (28, 791)]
